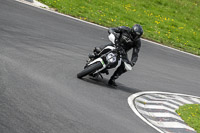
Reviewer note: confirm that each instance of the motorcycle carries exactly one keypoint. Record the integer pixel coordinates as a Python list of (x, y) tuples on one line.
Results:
[(110, 57)]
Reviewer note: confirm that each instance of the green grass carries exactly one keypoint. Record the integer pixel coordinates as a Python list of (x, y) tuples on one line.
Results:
[(190, 113), (175, 23)]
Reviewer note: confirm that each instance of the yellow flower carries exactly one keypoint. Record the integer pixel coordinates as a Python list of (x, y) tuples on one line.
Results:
[(157, 22)]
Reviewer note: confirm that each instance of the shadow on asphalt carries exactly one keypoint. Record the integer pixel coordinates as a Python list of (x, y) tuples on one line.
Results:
[(104, 83)]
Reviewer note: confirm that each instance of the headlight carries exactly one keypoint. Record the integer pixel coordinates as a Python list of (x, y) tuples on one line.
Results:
[(111, 58)]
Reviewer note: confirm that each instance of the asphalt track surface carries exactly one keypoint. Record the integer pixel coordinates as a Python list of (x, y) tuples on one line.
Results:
[(40, 55)]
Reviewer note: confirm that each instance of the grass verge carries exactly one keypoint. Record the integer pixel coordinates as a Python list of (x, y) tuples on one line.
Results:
[(175, 23), (190, 113)]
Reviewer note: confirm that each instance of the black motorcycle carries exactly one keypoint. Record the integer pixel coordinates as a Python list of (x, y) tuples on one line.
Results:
[(110, 57)]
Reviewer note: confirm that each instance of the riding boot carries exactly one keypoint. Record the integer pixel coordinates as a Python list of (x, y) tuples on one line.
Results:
[(91, 56), (97, 50), (120, 70), (111, 82), (95, 53)]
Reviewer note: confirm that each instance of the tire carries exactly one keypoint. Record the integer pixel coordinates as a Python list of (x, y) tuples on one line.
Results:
[(90, 69)]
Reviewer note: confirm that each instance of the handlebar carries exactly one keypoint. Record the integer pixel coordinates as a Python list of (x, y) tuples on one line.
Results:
[(120, 50)]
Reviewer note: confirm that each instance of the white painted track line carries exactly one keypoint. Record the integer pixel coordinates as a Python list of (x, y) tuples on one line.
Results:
[(183, 100), (178, 103), (160, 114), (161, 96), (158, 102), (156, 99), (196, 100), (161, 107), (170, 125)]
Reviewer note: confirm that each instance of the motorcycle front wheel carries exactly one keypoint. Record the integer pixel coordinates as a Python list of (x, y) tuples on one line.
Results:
[(90, 69)]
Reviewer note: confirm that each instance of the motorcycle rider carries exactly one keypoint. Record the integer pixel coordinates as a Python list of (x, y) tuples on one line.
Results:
[(127, 38)]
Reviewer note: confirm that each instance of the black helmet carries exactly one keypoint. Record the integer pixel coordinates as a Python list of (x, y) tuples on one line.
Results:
[(136, 31)]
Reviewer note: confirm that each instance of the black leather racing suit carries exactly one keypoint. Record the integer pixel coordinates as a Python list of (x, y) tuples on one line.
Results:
[(125, 40)]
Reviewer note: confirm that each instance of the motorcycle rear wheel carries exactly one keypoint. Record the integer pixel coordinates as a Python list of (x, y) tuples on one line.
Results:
[(90, 69)]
